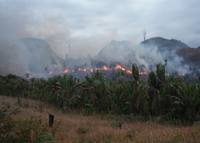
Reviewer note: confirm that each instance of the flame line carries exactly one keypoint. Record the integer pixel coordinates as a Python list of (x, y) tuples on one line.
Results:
[(105, 69)]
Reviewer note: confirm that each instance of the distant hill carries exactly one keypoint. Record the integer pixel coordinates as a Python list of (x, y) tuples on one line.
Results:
[(28, 55), (165, 44), (117, 48), (190, 55), (35, 56), (115, 52), (41, 56)]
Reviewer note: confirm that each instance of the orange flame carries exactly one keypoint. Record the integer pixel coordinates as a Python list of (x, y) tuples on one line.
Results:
[(117, 67), (143, 73), (50, 73), (82, 69), (128, 71), (105, 68), (181, 74), (66, 71)]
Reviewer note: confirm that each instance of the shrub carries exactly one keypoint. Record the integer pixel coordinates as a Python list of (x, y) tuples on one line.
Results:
[(21, 131)]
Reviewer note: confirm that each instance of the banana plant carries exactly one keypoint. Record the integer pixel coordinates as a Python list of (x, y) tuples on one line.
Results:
[(164, 97), (66, 86), (95, 85), (161, 72), (53, 88), (152, 83), (116, 95), (187, 102), (135, 71), (52, 83), (129, 89)]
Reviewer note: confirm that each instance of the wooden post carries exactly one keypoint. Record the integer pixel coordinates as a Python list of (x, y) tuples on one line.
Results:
[(51, 118)]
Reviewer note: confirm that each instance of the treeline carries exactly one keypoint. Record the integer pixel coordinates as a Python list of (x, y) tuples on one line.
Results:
[(165, 96)]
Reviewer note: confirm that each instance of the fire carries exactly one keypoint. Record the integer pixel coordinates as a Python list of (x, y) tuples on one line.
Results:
[(50, 73), (105, 68), (128, 71), (82, 69), (117, 67), (66, 71), (181, 74), (143, 73)]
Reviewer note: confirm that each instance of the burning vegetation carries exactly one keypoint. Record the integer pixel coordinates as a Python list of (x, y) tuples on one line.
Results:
[(104, 68), (165, 98)]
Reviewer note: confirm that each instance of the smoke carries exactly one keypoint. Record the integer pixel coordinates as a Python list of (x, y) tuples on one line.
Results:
[(18, 57), (126, 53), (13, 61)]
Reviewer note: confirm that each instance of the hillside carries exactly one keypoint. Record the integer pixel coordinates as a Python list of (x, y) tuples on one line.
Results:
[(35, 56), (167, 48), (165, 44), (28, 55), (41, 56), (190, 55)]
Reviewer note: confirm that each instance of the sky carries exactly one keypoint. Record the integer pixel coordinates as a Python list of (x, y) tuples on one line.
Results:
[(92, 24)]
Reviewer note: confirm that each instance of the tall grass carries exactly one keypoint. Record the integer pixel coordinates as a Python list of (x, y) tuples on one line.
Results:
[(78, 127)]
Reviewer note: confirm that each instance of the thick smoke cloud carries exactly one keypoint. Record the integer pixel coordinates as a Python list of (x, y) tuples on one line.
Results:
[(15, 56), (126, 53), (91, 26)]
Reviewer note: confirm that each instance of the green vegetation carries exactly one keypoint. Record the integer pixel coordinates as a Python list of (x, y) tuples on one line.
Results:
[(166, 97), (17, 131)]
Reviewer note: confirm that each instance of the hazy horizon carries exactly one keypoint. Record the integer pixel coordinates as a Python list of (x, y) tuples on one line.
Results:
[(93, 24)]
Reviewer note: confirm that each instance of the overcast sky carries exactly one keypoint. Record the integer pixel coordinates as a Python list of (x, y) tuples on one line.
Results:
[(92, 24)]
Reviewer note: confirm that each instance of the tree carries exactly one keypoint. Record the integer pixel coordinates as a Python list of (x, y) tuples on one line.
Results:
[(144, 33)]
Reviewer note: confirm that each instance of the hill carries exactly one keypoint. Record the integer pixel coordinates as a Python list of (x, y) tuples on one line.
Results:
[(41, 56), (164, 44), (190, 55), (28, 55), (168, 49)]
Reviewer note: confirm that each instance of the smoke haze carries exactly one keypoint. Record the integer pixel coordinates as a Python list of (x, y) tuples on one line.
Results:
[(91, 26)]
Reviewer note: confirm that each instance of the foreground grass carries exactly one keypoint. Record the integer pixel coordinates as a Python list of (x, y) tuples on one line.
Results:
[(77, 127)]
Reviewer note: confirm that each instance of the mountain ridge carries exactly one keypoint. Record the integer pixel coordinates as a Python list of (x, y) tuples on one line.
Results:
[(161, 43), (190, 55), (41, 55)]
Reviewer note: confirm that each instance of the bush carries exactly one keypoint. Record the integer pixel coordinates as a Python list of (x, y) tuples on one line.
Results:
[(21, 131)]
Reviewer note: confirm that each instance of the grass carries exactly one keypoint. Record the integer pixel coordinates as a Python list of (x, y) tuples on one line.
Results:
[(77, 127)]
